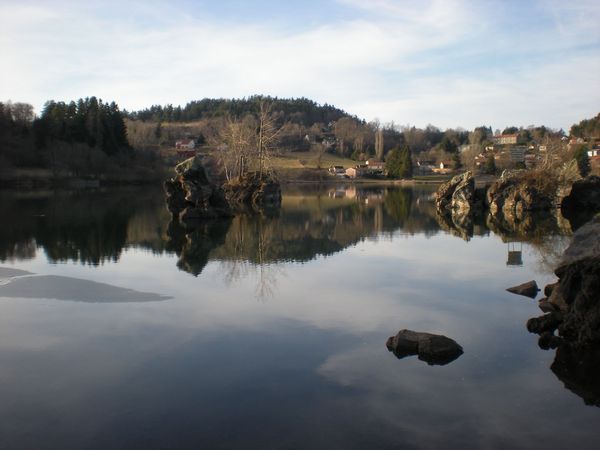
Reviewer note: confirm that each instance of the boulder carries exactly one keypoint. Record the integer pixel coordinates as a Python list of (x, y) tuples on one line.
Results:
[(546, 323), (580, 196), (192, 197), (434, 349), (529, 289), (253, 191), (458, 195), (576, 295)]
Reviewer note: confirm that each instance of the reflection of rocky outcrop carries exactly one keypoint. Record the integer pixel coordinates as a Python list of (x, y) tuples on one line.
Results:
[(434, 349), (573, 306), (194, 248), (192, 197)]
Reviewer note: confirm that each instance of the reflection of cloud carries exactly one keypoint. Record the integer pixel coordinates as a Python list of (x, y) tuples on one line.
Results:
[(73, 289)]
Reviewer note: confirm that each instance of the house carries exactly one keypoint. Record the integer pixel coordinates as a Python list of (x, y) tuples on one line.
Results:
[(424, 166), (375, 167), (356, 171), (183, 144), (506, 139), (337, 171), (444, 167)]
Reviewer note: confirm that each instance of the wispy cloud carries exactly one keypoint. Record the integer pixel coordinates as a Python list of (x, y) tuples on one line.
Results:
[(407, 61)]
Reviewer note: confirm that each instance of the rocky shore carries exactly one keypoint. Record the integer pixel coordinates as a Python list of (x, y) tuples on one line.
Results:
[(517, 201)]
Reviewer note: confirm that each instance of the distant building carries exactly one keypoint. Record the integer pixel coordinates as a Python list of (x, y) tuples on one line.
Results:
[(593, 152), (425, 166), (517, 154), (375, 167), (356, 171), (185, 144), (337, 171), (506, 139)]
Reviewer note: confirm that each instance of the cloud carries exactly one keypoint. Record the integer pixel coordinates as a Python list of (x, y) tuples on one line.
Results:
[(416, 62)]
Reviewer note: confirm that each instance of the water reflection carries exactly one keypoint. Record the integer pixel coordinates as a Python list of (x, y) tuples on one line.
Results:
[(344, 267), (95, 227)]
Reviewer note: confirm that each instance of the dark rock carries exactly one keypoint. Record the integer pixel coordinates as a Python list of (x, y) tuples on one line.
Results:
[(579, 370), (549, 288), (581, 195), (529, 289), (253, 191), (547, 306), (549, 341), (192, 197), (578, 290), (542, 324), (432, 348)]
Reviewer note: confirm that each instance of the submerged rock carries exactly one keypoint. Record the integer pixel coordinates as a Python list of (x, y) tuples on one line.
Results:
[(529, 289), (434, 349)]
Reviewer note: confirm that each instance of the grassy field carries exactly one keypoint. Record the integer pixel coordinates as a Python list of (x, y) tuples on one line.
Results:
[(309, 160)]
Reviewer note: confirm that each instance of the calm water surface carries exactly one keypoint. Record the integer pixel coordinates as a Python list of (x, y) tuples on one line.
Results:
[(118, 330)]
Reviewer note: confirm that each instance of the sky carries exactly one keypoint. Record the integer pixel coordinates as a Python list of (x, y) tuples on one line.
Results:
[(450, 63)]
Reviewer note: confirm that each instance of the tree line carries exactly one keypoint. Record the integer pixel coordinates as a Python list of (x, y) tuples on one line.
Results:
[(297, 110), (87, 137)]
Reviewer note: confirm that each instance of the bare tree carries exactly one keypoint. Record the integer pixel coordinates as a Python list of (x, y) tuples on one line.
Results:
[(236, 138), (268, 136)]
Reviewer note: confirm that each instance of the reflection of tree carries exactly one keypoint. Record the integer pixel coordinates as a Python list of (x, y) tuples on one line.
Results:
[(398, 203), (86, 227)]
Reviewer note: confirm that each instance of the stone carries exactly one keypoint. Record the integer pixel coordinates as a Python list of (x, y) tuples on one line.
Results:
[(192, 197), (529, 289), (434, 349), (545, 323), (458, 194), (547, 306), (253, 191)]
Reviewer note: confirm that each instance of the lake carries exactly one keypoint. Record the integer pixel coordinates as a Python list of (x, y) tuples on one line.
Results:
[(120, 331)]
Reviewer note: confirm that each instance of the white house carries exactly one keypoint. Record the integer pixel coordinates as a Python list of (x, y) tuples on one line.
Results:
[(185, 144)]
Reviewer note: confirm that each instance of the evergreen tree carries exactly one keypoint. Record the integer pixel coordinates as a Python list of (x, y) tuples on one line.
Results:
[(398, 163), (583, 160)]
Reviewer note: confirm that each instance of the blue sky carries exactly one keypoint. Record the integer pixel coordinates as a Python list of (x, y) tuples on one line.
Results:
[(446, 62)]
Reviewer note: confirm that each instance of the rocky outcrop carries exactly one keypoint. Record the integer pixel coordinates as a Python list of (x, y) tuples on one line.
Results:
[(529, 289), (580, 195), (434, 349), (575, 298), (192, 197), (253, 191), (515, 195), (459, 195)]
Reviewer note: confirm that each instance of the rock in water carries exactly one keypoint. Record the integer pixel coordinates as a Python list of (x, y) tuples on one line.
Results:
[(457, 195), (529, 289), (253, 191), (434, 349), (192, 197)]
